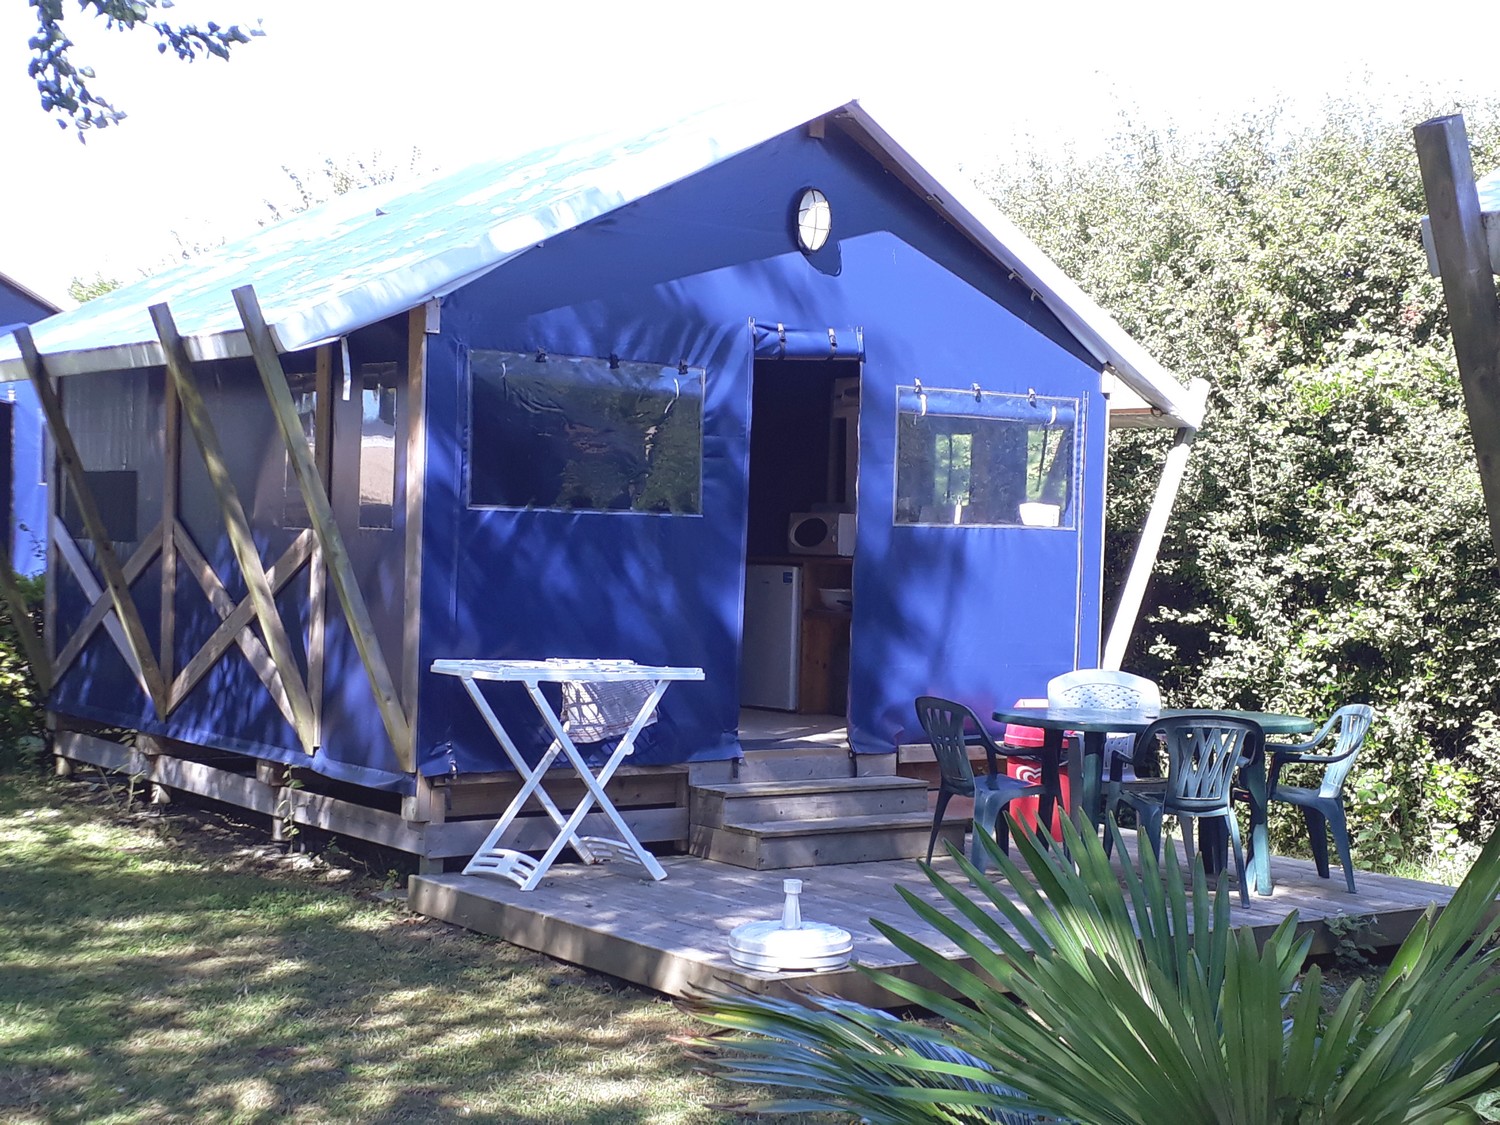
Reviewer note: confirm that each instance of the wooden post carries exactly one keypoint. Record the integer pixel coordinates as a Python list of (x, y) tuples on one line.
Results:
[(320, 515), (416, 476), (1469, 288), (1133, 592), (246, 553), (69, 556), (234, 626), (317, 575), (93, 522), (170, 482), (53, 476)]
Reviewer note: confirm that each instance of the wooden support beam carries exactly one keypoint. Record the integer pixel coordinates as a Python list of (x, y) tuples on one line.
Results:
[(240, 615), (1469, 288), (246, 553), (52, 475), (33, 644), (93, 521), (317, 577), (320, 515), (100, 607), (171, 482), (416, 476)]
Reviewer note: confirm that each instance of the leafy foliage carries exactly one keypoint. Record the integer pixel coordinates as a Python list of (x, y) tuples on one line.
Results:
[(21, 719), (64, 86), (339, 176), (1190, 1021), (83, 289), (1330, 543)]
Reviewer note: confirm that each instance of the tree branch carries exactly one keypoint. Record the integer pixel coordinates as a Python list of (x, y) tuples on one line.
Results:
[(64, 87)]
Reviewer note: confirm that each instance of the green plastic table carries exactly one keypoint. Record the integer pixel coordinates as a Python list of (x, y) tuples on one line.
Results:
[(1087, 762)]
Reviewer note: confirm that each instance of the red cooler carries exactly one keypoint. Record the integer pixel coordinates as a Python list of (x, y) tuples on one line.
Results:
[(1029, 770)]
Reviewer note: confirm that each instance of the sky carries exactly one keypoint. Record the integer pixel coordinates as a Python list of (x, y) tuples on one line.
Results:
[(431, 85)]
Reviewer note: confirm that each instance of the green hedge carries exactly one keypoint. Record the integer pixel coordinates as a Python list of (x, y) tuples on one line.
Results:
[(1330, 543), (21, 717)]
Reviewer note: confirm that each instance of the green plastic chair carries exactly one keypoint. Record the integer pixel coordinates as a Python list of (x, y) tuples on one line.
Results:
[(1107, 689), (1203, 753), (945, 723), (1323, 807)]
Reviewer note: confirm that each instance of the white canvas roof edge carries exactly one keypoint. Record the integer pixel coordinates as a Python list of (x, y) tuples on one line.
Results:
[(349, 310), (1111, 345), (1155, 393)]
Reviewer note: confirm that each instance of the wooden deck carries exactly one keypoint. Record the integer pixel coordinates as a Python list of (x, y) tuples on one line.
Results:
[(761, 729), (673, 935)]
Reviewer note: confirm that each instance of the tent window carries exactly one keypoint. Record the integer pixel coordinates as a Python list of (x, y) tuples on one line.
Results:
[(305, 399), (114, 492), (583, 434), (377, 444), (972, 458)]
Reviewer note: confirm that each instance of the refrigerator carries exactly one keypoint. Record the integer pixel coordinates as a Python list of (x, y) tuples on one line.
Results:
[(770, 653)]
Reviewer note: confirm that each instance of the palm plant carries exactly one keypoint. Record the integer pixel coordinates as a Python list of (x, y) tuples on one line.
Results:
[(1138, 1002)]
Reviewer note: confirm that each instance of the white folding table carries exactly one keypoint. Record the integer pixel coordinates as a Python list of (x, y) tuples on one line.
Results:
[(520, 868)]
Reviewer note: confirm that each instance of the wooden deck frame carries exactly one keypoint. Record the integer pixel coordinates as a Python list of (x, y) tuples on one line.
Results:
[(237, 523), (132, 628), (246, 783), (101, 607), (113, 608), (235, 619), (320, 514), (172, 542), (673, 936)]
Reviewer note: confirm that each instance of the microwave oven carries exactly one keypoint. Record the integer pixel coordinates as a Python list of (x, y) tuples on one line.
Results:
[(821, 533)]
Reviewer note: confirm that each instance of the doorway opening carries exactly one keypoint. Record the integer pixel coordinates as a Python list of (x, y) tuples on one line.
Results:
[(804, 467)]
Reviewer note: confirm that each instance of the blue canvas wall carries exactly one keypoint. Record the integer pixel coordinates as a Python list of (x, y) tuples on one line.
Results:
[(677, 277), (28, 534)]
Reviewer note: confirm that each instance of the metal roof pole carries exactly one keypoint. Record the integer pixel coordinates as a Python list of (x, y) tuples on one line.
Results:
[(1469, 289), (1133, 593)]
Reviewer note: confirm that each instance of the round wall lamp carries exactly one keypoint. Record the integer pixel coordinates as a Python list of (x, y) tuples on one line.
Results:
[(814, 220)]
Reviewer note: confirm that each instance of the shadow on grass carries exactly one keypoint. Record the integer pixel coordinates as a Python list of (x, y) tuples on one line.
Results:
[(143, 978)]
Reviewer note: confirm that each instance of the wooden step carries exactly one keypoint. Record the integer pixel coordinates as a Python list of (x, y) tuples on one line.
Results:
[(792, 763), (748, 802), (771, 844)]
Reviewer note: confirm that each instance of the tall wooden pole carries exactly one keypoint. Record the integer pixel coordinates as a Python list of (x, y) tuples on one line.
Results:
[(1469, 288), (325, 527), (195, 411)]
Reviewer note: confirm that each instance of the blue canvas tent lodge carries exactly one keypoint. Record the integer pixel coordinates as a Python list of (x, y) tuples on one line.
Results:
[(568, 406)]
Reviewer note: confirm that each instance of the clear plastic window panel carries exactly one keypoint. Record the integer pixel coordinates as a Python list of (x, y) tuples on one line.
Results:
[(582, 434), (117, 424), (305, 399), (377, 445), (976, 458)]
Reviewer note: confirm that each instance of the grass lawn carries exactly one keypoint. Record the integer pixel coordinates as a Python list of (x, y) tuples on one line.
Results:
[(169, 966)]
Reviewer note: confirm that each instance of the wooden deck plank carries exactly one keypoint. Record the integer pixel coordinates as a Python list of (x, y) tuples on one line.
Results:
[(673, 936)]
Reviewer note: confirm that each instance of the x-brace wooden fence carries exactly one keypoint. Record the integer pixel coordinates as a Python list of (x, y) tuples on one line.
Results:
[(320, 547)]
